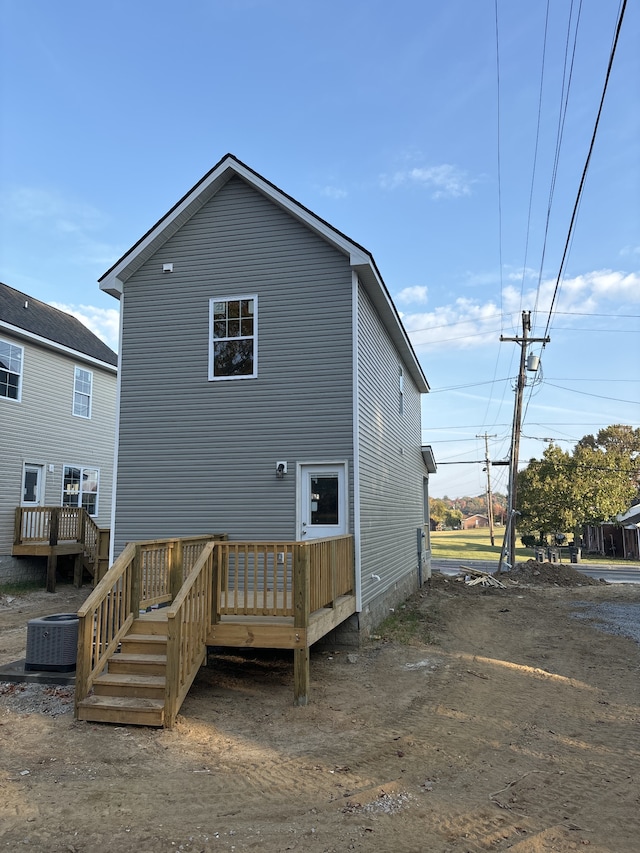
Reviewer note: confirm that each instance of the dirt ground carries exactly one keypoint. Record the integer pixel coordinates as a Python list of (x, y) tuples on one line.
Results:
[(479, 719)]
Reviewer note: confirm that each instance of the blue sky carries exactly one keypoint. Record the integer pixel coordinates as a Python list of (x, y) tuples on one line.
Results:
[(448, 138)]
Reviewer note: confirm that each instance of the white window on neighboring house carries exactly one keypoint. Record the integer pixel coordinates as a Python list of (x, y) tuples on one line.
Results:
[(82, 387), (80, 487), (233, 337), (11, 357)]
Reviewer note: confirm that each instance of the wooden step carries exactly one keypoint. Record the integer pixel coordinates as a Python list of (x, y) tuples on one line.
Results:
[(146, 644), (124, 710), (126, 684), (138, 664), (154, 622)]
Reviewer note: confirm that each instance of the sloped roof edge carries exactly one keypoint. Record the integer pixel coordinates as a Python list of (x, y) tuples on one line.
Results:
[(360, 258), (30, 318)]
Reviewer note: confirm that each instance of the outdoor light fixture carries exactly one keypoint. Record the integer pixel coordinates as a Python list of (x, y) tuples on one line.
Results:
[(281, 470)]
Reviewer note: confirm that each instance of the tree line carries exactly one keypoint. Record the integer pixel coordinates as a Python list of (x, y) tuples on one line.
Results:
[(450, 512), (566, 490), (563, 491)]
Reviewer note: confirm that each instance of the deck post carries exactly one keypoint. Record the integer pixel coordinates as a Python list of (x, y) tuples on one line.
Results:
[(216, 570), (176, 568), (81, 524), (136, 581), (84, 661), (77, 570), (52, 559), (301, 599), (102, 554), (172, 683), (17, 526)]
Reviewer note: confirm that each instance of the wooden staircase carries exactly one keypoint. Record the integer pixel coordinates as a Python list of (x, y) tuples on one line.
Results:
[(131, 691)]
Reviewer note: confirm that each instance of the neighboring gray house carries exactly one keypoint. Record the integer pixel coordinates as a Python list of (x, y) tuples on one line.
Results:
[(57, 418), (267, 387)]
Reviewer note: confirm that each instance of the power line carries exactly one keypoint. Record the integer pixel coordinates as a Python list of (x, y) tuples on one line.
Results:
[(585, 169), (587, 394)]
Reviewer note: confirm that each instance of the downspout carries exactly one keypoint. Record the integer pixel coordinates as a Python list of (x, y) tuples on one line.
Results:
[(356, 439)]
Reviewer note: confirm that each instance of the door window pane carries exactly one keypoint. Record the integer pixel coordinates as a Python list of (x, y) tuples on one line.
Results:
[(324, 500), (30, 486)]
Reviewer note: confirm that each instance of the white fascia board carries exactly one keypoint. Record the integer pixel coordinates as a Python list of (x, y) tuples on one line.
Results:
[(53, 345), (112, 282), (429, 458)]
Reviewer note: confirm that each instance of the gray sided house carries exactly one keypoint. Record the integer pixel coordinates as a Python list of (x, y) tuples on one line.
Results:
[(57, 421), (267, 387)]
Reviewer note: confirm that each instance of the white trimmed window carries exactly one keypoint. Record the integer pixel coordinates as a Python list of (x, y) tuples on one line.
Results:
[(82, 387), (80, 487), (233, 337), (11, 357)]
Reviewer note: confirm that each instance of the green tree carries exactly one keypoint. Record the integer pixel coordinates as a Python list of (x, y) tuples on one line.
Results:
[(564, 491), (453, 519), (438, 509), (545, 499)]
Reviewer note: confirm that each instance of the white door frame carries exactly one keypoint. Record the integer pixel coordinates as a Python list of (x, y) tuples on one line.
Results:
[(304, 471)]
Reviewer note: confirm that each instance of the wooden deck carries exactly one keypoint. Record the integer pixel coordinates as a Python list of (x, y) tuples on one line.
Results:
[(53, 532), (136, 667)]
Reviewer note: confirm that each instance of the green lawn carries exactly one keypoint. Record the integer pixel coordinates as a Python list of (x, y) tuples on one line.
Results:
[(476, 545)]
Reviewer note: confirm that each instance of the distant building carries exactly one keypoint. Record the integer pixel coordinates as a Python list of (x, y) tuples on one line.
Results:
[(474, 521), (57, 419)]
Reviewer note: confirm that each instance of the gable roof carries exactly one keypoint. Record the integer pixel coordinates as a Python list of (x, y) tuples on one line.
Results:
[(229, 166), (27, 317)]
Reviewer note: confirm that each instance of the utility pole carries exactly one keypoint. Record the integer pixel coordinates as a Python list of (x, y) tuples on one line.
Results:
[(509, 546), (487, 462)]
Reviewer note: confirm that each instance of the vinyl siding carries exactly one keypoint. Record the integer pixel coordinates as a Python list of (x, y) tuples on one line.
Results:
[(198, 456), (391, 467), (41, 429)]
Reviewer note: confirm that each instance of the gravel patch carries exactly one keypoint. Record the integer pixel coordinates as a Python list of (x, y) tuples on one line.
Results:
[(622, 620), (36, 698)]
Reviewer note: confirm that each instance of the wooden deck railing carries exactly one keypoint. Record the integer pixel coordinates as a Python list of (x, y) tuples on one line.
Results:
[(104, 619), (42, 524), (207, 578), (144, 574), (257, 578), (188, 621)]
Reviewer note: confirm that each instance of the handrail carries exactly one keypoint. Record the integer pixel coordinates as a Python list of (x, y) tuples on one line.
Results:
[(104, 619), (188, 620)]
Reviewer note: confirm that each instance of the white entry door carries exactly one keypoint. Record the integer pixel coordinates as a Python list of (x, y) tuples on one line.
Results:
[(322, 501), (32, 485)]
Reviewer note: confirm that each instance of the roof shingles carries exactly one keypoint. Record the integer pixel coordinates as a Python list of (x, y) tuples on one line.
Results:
[(23, 311)]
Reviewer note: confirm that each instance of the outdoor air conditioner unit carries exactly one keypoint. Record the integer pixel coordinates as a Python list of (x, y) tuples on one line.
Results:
[(52, 643)]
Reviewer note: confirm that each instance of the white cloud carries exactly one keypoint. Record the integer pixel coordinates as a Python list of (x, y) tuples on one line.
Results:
[(582, 293), (418, 293), (462, 324), (467, 323), (333, 192), (103, 322), (444, 180)]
